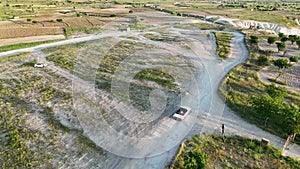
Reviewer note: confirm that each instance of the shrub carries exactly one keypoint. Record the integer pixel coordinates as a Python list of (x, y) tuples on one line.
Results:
[(293, 59), (254, 39), (263, 60), (269, 51), (280, 34), (113, 15), (34, 21), (284, 39), (195, 159), (131, 11), (28, 20), (59, 20), (271, 40)]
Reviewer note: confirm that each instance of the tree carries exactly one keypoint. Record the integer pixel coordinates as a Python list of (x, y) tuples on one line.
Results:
[(266, 105), (276, 92), (298, 43), (280, 34), (293, 38), (270, 103), (280, 46), (263, 60), (284, 39), (194, 160), (271, 40), (293, 59), (254, 39), (281, 64), (292, 113)]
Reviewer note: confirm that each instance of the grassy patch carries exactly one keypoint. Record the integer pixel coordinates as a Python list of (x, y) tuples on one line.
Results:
[(24, 45), (201, 25), (69, 31), (162, 38), (223, 44), (64, 56), (278, 81), (8, 58), (157, 76), (234, 152)]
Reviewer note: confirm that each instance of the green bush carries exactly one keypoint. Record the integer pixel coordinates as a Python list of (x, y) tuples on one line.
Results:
[(34, 21), (263, 60), (254, 39), (194, 160), (28, 20), (59, 20), (113, 15), (293, 59)]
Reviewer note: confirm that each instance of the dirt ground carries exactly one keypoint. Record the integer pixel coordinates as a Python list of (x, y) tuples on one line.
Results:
[(289, 76)]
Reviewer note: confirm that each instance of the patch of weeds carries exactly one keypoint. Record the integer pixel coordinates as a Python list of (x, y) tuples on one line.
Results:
[(223, 41), (278, 81), (157, 76), (163, 38), (69, 31)]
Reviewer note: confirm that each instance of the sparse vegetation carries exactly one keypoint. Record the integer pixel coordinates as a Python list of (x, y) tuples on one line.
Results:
[(233, 152), (158, 76), (223, 44), (69, 31)]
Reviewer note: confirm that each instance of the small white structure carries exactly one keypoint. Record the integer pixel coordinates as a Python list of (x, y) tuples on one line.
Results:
[(181, 113)]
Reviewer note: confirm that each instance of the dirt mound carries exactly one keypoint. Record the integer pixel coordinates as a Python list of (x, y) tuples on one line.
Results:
[(246, 24)]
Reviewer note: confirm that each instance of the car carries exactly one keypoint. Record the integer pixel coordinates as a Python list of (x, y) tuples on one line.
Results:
[(40, 65), (181, 113)]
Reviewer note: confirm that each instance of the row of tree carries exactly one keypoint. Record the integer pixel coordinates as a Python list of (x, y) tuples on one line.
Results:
[(273, 104), (281, 45)]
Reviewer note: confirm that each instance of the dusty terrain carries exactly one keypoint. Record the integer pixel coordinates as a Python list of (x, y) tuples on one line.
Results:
[(289, 76)]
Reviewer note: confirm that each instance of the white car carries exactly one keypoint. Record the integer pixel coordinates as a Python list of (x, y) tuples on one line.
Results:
[(181, 113), (40, 65)]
